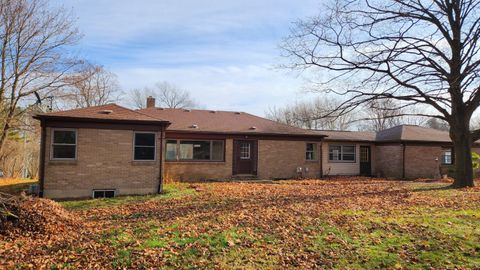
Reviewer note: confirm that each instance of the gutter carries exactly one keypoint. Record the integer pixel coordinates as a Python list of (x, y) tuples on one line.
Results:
[(160, 177), (403, 160)]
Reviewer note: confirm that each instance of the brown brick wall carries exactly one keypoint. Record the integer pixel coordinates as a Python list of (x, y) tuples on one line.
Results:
[(389, 161), (280, 159), (422, 161), (194, 171), (104, 161)]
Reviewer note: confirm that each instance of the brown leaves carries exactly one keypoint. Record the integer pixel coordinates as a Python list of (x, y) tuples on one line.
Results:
[(299, 224)]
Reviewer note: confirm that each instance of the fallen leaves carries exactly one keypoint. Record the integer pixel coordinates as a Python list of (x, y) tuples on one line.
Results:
[(302, 224)]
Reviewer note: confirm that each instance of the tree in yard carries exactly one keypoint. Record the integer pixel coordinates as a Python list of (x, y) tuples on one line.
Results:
[(33, 37), (91, 85), (168, 95), (417, 52), (307, 114)]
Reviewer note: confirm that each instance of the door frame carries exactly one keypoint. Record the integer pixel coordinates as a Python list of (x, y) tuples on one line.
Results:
[(369, 147), (253, 153)]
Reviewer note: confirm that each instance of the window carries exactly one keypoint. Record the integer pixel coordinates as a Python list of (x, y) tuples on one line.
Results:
[(245, 151), (341, 153), (144, 146), (171, 150), (311, 151), (194, 150), (64, 144), (447, 156), (107, 193)]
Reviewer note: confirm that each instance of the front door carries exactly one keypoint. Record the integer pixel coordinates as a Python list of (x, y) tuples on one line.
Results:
[(365, 161), (244, 157)]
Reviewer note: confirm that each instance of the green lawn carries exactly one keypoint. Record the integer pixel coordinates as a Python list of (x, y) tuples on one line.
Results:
[(337, 224), (170, 191)]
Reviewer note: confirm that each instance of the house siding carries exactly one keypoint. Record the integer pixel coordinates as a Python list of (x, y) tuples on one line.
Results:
[(280, 160), (422, 161), (104, 161), (345, 168)]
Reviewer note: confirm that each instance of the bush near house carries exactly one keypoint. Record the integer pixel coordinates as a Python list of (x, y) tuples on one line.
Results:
[(335, 223)]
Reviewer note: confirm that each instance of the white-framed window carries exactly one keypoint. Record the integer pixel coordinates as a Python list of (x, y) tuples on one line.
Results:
[(447, 156), (144, 146), (64, 144), (341, 153), (311, 151), (195, 150), (245, 150)]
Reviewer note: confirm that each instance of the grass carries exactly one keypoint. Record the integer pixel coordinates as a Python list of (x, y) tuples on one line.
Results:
[(15, 185), (170, 191), (341, 224)]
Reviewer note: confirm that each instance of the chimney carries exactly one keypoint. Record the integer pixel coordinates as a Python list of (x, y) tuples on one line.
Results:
[(150, 102)]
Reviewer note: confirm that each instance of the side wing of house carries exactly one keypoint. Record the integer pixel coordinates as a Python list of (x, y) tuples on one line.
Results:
[(348, 158), (191, 156)]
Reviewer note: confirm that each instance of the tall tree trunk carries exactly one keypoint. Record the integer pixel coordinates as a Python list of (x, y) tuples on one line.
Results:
[(463, 155)]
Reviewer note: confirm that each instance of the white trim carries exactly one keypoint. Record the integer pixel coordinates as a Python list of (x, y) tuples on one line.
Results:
[(154, 146), (341, 153), (52, 135), (315, 151)]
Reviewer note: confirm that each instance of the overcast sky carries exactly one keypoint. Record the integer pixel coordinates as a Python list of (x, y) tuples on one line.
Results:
[(223, 51)]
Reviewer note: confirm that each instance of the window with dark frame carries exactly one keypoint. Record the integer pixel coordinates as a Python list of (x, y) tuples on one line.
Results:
[(311, 151), (195, 150), (103, 193), (447, 156), (64, 144), (144, 149), (341, 153)]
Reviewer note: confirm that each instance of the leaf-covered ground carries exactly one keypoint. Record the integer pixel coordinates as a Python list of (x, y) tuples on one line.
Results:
[(344, 224)]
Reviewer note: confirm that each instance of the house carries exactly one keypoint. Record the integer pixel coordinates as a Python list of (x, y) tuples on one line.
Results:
[(110, 150), (401, 152)]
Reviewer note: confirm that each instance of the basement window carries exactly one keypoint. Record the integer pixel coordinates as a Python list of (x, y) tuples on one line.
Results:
[(103, 193)]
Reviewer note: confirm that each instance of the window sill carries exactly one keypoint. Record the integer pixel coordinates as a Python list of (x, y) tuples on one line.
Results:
[(195, 161), (143, 162), (62, 162), (340, 161)]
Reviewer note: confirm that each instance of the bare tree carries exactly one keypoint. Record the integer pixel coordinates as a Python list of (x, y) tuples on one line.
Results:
[(168, 95), (33, 36), (309, 115), (414, 51), (91, 85)]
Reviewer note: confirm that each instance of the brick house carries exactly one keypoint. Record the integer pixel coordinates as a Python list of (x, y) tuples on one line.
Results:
[(111, 150)]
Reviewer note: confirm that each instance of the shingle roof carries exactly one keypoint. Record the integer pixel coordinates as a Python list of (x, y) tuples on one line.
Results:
[(222, 122), (353, 136), (104, 112), (412, 133)]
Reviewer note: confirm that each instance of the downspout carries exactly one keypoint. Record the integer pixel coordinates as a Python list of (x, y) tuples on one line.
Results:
[(41, 169), (321, 158), (403, 160), (160, 177)]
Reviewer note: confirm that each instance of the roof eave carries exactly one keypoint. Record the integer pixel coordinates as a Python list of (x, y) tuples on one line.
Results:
[(100, 120)]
